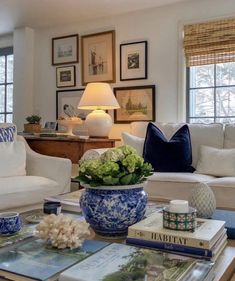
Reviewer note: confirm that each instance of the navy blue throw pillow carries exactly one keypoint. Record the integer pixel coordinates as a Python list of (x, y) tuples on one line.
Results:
[(174, 155)]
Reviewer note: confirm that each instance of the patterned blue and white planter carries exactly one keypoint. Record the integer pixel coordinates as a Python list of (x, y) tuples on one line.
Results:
[(10, 223), (111, 209)]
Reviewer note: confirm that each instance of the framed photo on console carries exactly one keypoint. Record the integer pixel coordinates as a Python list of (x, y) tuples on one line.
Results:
[(65, 49), (66, 76), (134, 61), (137, 103), (98, 57)]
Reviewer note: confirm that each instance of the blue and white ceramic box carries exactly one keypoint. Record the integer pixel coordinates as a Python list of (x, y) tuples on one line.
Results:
[(10, 223)]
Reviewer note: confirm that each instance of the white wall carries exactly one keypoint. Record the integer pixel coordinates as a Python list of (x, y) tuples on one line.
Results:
[(159, 26), (6, 40)]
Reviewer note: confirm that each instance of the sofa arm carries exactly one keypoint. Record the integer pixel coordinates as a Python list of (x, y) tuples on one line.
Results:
[(55, 168)]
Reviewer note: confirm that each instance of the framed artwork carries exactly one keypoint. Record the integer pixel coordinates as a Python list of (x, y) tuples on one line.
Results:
[(136, 104), (65, 49), (65, 76), (98, 57), (67, 102), (134, 61)]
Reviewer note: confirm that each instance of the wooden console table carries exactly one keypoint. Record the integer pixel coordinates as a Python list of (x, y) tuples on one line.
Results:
[(67, 147)]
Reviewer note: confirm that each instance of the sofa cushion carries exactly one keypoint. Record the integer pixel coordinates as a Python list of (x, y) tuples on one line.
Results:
[(224, 190), (174, 155), (201, 134), (13, 159), (25, 190), (229, 136), (7, 134), (216, 162), (136, 142), (169, 186)]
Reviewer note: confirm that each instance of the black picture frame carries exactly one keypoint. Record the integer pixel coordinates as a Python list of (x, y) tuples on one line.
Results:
[(66, 76), (65, 49), (70, 97), (134, 61)]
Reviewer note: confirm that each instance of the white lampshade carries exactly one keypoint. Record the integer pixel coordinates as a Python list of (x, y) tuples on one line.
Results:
[(98, 96)]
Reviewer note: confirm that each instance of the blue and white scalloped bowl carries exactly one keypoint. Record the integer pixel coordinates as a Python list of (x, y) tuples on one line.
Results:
[(10, 223), (111, 209)]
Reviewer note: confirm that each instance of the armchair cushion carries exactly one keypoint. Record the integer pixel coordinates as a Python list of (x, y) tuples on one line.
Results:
[(13, 159)]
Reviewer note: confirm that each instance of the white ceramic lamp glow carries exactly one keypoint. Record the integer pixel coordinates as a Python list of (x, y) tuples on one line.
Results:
[(98, 97)]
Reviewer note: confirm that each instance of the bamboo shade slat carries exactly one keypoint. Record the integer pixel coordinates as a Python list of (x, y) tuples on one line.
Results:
[(210, 42)]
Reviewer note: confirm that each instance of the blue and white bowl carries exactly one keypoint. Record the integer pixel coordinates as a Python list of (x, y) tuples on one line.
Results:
[(10, 223), (111, 209)]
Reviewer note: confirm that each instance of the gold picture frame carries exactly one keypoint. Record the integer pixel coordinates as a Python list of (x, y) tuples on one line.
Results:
[(98, 57)]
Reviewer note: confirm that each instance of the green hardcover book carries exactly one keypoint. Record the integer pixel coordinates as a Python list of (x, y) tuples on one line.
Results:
[(36, 260), (118, 262)]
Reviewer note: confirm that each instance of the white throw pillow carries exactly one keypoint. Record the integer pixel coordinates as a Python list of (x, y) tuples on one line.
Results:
[(216, 162), (12, 159), (134, 141)]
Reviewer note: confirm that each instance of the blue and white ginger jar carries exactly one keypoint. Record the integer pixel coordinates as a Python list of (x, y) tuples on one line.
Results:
[(111, 209)]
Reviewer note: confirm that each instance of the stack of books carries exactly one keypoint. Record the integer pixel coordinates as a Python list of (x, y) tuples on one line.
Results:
[(207, 241), (69, 201)]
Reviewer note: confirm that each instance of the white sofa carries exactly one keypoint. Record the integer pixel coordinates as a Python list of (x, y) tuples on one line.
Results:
[(45, 176), (168, 186)]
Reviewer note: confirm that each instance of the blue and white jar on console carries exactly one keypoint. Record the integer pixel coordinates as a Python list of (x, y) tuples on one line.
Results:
[(111, 209)]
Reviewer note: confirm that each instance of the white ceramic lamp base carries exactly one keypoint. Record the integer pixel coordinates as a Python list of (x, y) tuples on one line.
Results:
[(98, 124)]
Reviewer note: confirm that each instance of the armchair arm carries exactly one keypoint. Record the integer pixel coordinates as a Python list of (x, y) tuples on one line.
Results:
[(55, 168)]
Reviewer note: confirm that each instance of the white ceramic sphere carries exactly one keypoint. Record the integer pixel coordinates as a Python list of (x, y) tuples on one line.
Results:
[(203, 199)]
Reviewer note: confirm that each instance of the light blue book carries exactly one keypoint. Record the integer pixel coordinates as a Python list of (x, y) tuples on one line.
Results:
[(37, 260), (123, 262)]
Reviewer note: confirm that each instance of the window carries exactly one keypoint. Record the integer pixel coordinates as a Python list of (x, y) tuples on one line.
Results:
[(211, 93), (210, 58), (6, 84)]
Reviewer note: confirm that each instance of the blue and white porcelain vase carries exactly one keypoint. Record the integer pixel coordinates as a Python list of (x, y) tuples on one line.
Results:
[(111, 209)]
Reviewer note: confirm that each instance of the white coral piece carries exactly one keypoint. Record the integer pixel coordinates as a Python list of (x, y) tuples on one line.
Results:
[(62, 231)]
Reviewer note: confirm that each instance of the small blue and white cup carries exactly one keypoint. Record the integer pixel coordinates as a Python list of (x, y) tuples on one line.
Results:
[(10, 223)]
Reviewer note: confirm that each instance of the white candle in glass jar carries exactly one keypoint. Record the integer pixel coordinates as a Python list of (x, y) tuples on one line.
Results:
[(179, 206)]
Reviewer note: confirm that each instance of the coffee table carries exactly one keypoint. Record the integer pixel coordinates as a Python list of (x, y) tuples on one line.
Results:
[(224, 267)]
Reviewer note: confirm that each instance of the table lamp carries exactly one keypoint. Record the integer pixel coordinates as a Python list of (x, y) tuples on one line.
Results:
[(98, 97)]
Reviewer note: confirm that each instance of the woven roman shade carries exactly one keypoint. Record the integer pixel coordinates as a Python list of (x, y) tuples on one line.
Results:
[(210, 42)]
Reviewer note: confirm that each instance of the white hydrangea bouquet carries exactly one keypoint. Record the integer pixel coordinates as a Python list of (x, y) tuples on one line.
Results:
[(116, 166)]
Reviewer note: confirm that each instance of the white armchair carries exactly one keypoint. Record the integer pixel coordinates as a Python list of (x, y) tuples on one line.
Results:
[(45, 176)]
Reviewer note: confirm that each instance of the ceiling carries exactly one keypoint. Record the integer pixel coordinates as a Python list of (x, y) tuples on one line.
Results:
[(43, 13)]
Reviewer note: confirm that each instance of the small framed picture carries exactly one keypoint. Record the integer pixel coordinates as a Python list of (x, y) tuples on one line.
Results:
[(136, 104), (98, 57), (67, 102), (65, 49), (134, 61), (66, 76)]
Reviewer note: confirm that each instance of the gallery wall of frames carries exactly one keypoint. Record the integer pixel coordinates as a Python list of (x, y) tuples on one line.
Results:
[(97, 58)]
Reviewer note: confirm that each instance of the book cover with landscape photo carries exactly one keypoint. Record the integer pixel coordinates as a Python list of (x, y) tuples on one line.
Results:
[(37, 260), (121, 262)]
